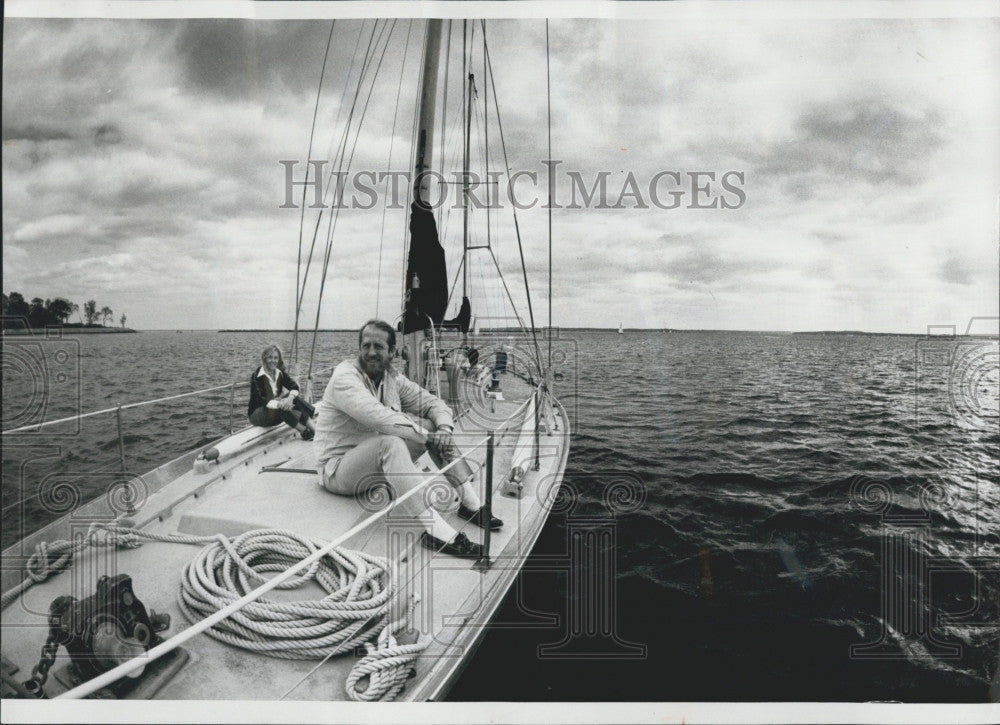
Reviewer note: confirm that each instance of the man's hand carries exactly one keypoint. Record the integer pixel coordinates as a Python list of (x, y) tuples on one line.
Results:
[(441, 439)]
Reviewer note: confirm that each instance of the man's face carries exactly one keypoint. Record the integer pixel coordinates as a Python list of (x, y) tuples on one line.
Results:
[(374, 353)]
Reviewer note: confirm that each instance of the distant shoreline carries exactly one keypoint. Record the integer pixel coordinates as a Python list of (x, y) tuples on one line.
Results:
[(62, 330), (68, 330), (541, 331)]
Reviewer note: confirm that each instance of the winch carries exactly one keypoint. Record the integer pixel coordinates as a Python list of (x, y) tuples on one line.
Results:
[(104, 630), (107, 628)]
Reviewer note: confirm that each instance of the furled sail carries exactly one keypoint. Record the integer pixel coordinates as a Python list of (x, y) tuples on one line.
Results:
[(426, 274), (462, 320)]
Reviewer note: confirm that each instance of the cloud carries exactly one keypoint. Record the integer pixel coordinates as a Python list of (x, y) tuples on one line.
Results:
[(107, 134), (14, 254), (957, 270), (244, 58), (829, 237), (34, 133), (221, 56), (46, 227), (867, 140), (705, 266), (147, 152)]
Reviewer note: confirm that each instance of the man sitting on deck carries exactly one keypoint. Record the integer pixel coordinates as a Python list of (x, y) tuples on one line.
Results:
[(373, 423)]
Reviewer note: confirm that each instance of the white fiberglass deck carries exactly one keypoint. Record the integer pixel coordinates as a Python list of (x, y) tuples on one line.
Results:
[(456, 600)]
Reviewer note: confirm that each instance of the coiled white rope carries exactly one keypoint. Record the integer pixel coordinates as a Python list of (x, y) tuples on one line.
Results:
[(353, 612), (49, 558), (387, 666)]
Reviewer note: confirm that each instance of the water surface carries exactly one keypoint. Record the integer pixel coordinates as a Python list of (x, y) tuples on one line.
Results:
[(785, 517)]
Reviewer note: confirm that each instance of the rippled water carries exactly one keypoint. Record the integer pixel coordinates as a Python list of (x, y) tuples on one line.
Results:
[(762, 516)]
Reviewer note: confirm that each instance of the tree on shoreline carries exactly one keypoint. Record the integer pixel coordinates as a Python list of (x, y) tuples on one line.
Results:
[(60, 309), (41, 313), (90, 311), (37, 316)]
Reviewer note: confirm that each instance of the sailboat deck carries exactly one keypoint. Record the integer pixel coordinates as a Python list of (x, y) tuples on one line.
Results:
[(259, 489)]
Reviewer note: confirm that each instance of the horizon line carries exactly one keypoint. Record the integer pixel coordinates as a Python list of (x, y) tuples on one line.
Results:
[(944, 330)]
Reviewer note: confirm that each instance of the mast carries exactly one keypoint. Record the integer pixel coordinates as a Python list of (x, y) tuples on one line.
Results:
[(443, 121), (425, 119), (465, 199), (467, 103), (423, 162), (426, 295)]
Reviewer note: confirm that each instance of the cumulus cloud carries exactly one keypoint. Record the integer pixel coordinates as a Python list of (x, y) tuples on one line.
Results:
[(829, 237), (865, 140), (237, 57), (107, 134), (34, 133), (143, 156), (957, 270), (706, 266)]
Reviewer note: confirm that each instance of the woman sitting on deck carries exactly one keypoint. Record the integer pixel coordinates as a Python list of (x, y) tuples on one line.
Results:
[(273, 396)]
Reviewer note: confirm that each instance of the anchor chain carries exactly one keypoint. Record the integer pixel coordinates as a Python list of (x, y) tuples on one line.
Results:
[(40, 672)]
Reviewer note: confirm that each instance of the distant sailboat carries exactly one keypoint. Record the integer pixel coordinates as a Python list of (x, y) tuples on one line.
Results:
[(620, 330)]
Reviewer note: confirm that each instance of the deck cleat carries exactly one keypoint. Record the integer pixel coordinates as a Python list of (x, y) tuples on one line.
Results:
[(514, 485)]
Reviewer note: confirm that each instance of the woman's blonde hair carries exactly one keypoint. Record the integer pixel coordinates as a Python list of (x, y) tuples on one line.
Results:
[(275, 348)]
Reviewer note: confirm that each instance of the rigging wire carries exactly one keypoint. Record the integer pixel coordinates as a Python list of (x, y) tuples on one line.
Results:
[(551, 180), (454, 283), (323, 207), (488, 299), (333, 218), (449, 159), (457, 148), (340, 112), (392, 140), (302, 215), (517, 228), (486, 140), (507, 290), (342, 149), (483, 127), (466, 100), (464, 262)]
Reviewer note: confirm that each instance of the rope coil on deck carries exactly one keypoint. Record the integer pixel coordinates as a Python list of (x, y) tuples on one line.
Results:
[(50, 558), (353, 613), (349, 615), (387, 666)]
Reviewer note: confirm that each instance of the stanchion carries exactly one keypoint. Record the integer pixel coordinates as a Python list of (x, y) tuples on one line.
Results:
[(538, 445), (483, 563), (121, 440)]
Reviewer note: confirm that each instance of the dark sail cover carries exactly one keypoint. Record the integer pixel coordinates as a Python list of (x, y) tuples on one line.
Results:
[(461, 322), (428, 296)]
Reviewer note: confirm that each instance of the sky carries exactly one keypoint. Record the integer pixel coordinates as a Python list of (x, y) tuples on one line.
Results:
[(142, 168)]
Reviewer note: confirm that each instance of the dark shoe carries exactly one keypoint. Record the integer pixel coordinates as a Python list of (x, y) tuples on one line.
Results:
[(308, 408), (478, 516), (460, 547), (307, 434)]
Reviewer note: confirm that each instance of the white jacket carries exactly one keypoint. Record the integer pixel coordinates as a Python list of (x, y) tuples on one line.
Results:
[(350, 413)]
